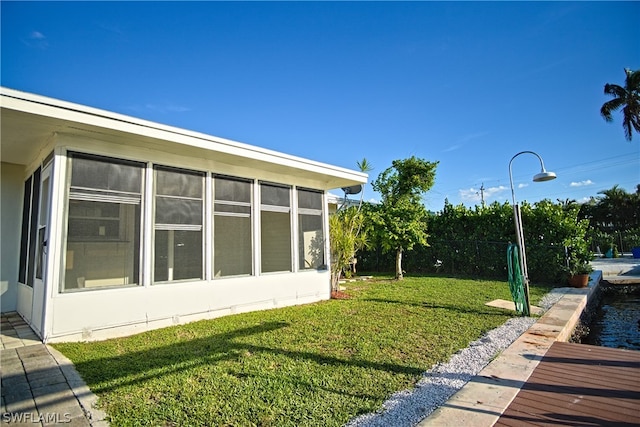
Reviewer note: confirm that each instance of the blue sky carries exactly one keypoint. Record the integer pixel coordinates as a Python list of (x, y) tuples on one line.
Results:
[(467, 84)]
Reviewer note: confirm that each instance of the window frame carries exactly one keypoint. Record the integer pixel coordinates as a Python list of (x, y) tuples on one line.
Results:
[(277, 209), (249, 214), (89, 194), (305, 211), (155, 226)]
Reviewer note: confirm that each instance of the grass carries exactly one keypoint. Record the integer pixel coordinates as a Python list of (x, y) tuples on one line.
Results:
[(317, 364)]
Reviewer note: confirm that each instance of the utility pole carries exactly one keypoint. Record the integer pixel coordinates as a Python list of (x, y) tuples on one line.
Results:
[(482, 194)]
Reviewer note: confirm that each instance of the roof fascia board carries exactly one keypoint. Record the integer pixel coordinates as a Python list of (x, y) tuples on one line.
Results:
[(89, 116)]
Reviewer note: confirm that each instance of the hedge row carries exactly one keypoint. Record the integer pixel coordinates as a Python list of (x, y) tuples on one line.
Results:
[(473, 241)]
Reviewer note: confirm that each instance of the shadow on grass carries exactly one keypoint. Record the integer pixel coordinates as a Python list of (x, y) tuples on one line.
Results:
[(451, 307), (390, 276), (306, 385), (140, 366)]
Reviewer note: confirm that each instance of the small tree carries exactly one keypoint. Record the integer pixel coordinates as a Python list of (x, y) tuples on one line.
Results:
[(347, 234), (401, 215)]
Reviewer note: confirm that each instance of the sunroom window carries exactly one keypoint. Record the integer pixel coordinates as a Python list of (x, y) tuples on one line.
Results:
[(178, 242), (232, 231), (275, 228), (311, 242), (103, 229)]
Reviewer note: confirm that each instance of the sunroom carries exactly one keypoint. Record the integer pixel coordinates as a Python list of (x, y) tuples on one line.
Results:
[(113, 225)]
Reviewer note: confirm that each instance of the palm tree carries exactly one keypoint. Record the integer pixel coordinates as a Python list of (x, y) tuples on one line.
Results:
[(627, 97)]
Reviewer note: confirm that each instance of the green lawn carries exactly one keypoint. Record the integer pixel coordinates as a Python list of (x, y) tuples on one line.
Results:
[(318, 364)]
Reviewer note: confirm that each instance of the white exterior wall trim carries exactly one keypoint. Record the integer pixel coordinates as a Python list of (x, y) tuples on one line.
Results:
[(108, 313), (56, 231)]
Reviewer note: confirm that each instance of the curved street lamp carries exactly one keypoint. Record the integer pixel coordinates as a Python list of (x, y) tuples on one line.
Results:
[(544, 175)]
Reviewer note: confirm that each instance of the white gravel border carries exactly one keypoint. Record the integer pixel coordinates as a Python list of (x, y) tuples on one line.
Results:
[(409, 407)]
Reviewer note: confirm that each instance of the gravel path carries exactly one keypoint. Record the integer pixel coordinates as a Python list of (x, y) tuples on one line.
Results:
[(408, 407)]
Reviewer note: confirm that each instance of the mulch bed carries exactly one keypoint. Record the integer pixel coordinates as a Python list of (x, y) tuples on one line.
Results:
[(339, 295)]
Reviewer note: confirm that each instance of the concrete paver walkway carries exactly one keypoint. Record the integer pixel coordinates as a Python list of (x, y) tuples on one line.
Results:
[(40, 386)]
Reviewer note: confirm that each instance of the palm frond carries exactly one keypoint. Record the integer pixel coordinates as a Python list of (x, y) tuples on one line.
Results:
[(615, 90), (633, 80), (364, 165), (630, 122), (609, 107)]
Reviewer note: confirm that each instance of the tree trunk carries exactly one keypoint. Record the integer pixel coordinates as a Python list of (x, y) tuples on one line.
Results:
[(335, 281), (399, 275)]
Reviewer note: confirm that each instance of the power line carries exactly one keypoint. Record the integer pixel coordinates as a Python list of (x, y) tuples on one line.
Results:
[(600, 164)]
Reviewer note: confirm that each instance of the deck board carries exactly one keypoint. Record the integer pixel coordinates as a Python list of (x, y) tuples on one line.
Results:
[(579, 385)]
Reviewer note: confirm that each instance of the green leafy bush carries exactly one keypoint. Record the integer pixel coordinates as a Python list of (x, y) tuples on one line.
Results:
[(473, 241)]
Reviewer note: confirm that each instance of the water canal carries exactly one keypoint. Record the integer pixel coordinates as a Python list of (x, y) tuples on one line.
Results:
[(615, 321)]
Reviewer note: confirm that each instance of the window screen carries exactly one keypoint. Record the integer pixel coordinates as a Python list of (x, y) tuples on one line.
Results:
[(178, 245), (33, 226), (232, 234), (103, 228), (275, 228), (43, 218), (102, 174), (274, 195), (311, 244)]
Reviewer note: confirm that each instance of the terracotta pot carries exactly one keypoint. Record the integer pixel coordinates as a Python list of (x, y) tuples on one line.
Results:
[(579, 280)]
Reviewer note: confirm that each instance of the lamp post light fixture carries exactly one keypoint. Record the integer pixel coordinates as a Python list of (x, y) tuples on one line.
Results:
[(544, 175)]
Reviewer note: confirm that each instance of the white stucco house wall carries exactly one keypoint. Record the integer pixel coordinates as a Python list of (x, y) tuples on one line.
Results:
[(113, 225)]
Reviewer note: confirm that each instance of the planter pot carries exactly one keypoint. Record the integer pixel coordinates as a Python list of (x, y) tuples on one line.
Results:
[(636, 251), (579, 280)]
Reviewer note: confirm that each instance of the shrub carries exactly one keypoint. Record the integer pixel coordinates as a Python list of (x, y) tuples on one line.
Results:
[(473, 241)]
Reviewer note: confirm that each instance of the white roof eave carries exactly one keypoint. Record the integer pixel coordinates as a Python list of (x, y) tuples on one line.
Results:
[(88, 117)]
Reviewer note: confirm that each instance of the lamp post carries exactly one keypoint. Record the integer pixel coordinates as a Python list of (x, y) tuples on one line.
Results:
[(544, 175)]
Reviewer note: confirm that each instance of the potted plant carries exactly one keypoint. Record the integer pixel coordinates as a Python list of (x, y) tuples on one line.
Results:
[(579, 267), (579, 275), (634, 241)]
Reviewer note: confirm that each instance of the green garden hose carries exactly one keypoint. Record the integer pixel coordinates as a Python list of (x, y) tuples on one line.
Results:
[(516, 281)]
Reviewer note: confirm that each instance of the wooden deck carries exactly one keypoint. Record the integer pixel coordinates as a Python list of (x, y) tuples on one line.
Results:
[(579, 385)]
